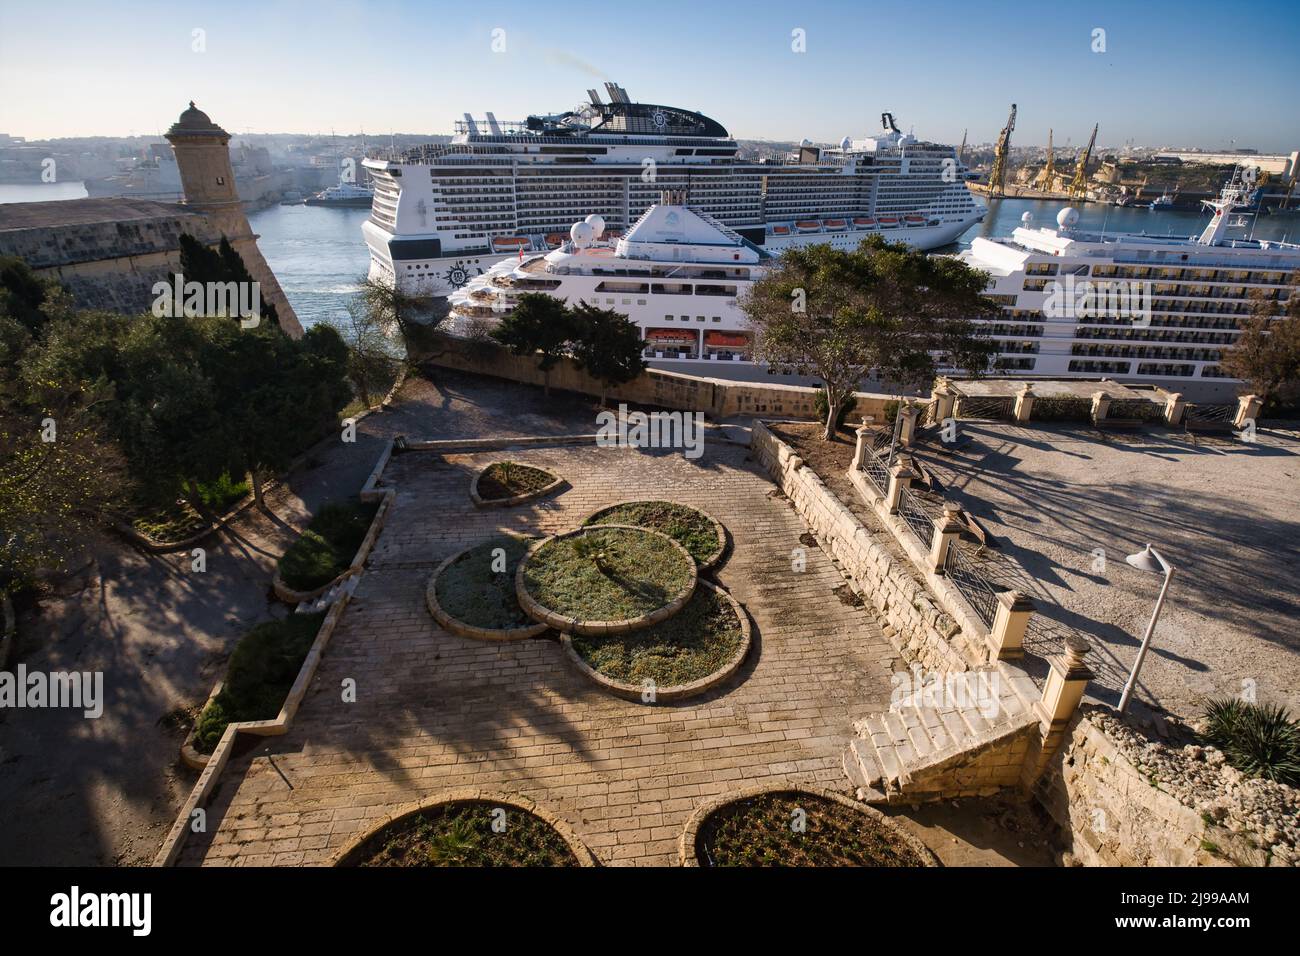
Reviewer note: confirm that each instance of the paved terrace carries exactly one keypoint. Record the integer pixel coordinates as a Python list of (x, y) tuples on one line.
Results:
[(1224, 512), (436, 711)]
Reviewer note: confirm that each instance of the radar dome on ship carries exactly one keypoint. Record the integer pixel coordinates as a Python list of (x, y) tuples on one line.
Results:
[(805, 141), (1026, 218), (582, 234), (845, 143), (1067, 217)]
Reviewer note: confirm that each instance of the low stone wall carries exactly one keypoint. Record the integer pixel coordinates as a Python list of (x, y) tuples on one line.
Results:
[(918, 628), (1114, 816), (719, 398)]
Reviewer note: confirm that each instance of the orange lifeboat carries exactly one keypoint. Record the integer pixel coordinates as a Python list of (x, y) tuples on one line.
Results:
[(834, 223), (864, 222), (888, 222), (807, 225), (554, 240), (780, 230), (914, 220), (510, 243)]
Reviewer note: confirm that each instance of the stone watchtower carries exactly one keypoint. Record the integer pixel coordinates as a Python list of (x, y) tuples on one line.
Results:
[(203, 157)]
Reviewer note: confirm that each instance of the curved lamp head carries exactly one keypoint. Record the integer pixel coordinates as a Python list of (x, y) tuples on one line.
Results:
[(1145, 560)]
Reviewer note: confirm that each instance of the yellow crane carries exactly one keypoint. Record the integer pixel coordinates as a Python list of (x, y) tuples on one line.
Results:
[(1047, 175), (1079, 185), (1001, 153)]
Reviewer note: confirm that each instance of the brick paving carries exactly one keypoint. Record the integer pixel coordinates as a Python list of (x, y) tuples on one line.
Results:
[(435, 711)]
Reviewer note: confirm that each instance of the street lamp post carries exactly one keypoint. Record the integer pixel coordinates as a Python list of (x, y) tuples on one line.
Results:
[(1148, 560)]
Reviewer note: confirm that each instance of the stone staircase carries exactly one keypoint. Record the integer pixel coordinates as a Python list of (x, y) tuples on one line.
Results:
[(928, 748)]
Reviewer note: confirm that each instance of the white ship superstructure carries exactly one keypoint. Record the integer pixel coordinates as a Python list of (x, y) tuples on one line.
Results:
[(1129, 307), (677, 273), (445, 213)]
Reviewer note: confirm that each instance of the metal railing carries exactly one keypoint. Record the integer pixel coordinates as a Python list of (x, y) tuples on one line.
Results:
[(874, 468), (974, 587), (985, 408), (1209, 414), (1135, 410), (917, 518)]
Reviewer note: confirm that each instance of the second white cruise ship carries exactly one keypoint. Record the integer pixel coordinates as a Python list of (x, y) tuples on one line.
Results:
[(443, 214)]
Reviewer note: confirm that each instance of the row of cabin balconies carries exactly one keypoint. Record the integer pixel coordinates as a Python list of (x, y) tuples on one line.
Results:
[(1131, 352)]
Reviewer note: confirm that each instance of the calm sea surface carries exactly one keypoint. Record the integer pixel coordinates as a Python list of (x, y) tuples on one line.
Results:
[(319, 257)]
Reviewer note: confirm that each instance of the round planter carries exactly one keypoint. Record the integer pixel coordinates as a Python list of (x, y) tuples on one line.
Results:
[(470, 795), (686, 843), (461, 628), (481, 502), (566, 625), (672, 692), (709, 563)]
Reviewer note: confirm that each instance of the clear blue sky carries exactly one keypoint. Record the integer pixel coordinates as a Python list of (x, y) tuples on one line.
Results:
[(1174, 73)]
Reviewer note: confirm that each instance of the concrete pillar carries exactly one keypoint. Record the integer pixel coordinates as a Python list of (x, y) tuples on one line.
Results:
[(947, 529), (1066, 680), (1007, 638), (1100, 406), (860, 450), (907, 431), (945, 400), (1248, 409), (900, 477), (1024, 403), (1174, 408)]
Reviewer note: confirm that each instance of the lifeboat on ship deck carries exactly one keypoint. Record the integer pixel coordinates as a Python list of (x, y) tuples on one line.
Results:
[(780, 230), (864, 222), (808, 225), (510, 243), (835, 223)]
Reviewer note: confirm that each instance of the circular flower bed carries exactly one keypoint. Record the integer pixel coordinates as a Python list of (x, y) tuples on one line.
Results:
[(476, 830), (472, 593), (700, 534), (767, 826), (693, 651), (605, 580), (505, 483)]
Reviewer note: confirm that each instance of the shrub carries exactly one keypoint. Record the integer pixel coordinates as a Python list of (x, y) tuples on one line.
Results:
[(1260, 740), (220, 494), (263, 667), (821, 404), (327, 547)]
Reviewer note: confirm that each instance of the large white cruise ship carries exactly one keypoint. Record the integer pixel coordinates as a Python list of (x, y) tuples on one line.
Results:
[(1132, 308), (445, 213), (677, 273)]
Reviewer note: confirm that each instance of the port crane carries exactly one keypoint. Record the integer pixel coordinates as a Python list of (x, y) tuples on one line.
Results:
[(1001, 154), (1079, 185), (961, 150), (1047, 175)]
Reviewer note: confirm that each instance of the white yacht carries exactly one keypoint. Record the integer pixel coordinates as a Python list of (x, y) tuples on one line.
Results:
[(677, 273), (1129, 307), (445, 213)]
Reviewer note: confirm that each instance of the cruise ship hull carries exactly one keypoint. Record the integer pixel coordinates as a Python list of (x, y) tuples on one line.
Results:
[(440, 277)]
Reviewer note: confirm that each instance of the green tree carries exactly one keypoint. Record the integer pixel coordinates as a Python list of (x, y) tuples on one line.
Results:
[(882, 307), (200, 263), (538, 325), (374, 359), (607, 346), (398, 313), (1267, 353)]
